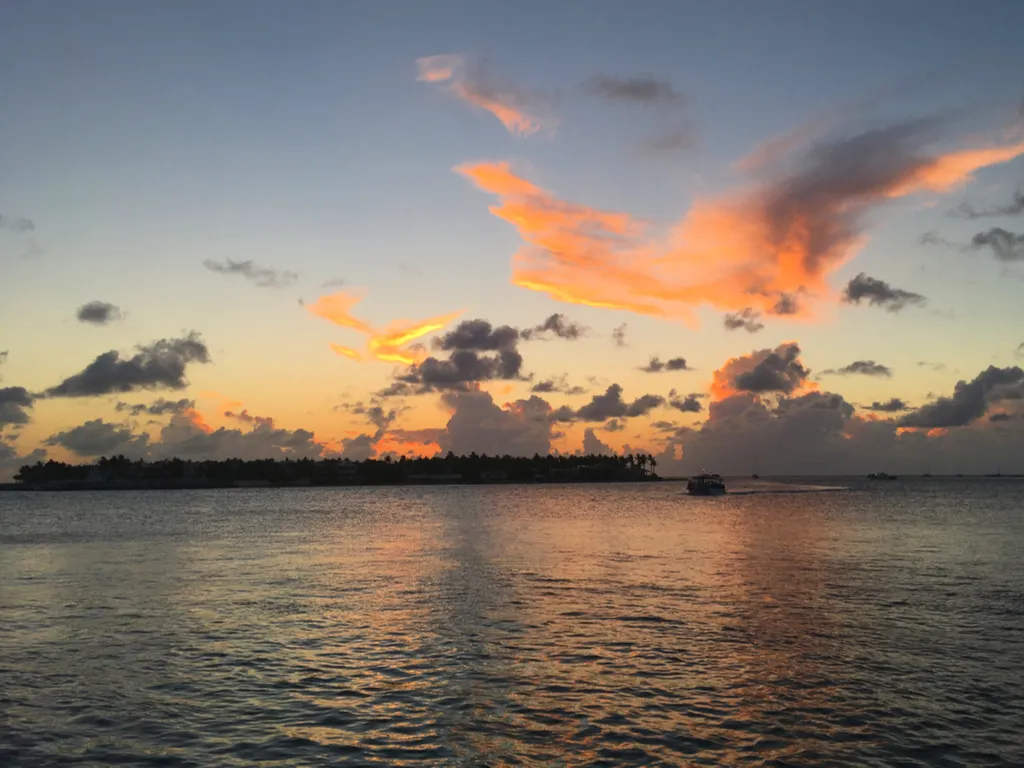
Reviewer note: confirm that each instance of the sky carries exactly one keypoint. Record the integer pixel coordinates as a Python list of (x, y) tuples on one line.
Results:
[(738, 236)]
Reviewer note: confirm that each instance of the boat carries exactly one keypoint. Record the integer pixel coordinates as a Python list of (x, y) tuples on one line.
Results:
[(881, 476), (705, 485)]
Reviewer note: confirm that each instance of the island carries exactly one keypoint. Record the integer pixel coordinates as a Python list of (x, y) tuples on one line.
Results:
[(121, 473)]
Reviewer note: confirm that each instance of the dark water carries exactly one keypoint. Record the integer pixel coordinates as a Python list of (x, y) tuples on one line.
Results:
[(570, 625)]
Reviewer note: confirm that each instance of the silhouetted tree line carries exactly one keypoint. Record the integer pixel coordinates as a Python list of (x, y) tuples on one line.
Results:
[(121, 472)]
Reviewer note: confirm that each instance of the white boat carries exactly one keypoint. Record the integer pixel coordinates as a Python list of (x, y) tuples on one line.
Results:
[(705, 485)]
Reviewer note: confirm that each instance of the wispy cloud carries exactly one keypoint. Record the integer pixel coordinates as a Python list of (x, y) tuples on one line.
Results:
[(860, 367), (644, 89), (17, 224), (392, 344), (780, 238), (893, 405), (657, 365), (557, 325), (159, 407), (521, 111), (748, 319), (264, 277), (1006, 246), (1013, 208)]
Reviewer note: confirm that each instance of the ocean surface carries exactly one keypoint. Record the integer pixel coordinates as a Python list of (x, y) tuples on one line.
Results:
[(610, 625)]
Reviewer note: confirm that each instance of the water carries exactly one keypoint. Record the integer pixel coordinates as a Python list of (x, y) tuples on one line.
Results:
[(565, 625)]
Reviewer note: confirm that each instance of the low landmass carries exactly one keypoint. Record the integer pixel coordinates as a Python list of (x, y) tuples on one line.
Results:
[(121, 473)]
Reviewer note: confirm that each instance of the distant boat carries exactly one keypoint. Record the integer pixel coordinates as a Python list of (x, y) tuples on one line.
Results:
[(881, 476), (705, 485)]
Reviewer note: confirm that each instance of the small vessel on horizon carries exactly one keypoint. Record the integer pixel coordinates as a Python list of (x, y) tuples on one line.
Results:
[(881, 476), (705, 484)]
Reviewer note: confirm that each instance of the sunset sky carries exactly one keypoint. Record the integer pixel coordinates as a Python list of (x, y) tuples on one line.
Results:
[(327, 228)]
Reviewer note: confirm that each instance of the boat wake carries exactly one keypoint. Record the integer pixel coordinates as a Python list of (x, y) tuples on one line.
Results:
[(787, 489)]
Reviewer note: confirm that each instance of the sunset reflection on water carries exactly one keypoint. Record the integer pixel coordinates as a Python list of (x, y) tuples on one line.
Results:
[(508, 625)]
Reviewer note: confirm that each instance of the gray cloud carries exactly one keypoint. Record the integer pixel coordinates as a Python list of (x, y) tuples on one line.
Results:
[(674, 364), (478, 335), (816, 205), (969, 401), (1007, 246), (614, 425), (860, 367), (11, 461), (478, 425), (98, 313), (1014, 207), (934, 238), (264, 277), (879, 293), (159, 407), (557, 324), (819, 434), (786, 305), (610, 405), (892, 405), (160, 365), (767, 371), (13, 404), (641, 89), (184, 438), (689, 404), (673, 141), (619, 335), (101, 438), (248, 418), (747, 319), (592, 444), (558, 384), (466, 364), (18, 224), (463, 367), (335, 282), (998, 417), (364, 446)]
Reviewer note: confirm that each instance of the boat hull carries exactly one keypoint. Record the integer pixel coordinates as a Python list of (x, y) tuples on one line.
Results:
[(706, 491)]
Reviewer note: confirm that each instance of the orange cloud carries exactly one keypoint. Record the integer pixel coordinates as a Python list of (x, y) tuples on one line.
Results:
[(949, 171), (519, 110), (388, 345), (770, 247), (763, 371), (337, 307), (346, 351), (197, 420)]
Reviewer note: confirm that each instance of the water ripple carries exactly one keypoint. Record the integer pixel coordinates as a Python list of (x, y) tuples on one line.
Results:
[(511, 626)]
